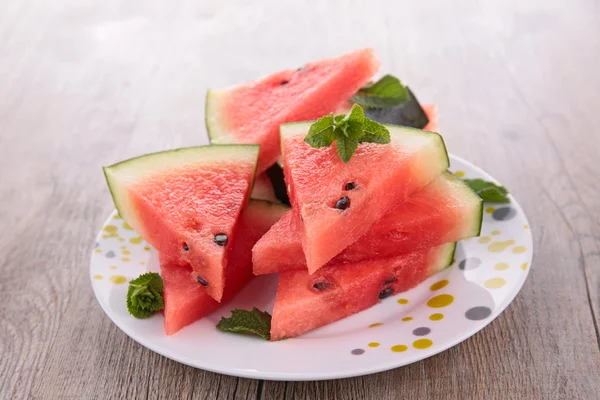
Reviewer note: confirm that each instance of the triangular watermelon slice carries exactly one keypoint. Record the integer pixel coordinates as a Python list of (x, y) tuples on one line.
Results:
[(374, 181), (186, 300), (186, 203), (305, 302), (446, 210), (252, 112)]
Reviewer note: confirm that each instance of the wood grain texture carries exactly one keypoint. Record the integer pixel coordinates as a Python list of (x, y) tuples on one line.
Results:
[(86, 83)]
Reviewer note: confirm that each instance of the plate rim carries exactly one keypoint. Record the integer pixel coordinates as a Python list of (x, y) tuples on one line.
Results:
[(347, 373)]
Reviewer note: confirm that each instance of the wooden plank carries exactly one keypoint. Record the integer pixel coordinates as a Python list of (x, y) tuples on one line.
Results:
[(89, 84)]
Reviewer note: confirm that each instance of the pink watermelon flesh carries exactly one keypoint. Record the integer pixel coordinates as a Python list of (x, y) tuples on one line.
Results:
[(444, 211), (263, 189), (191, 205), (305, 302), (384, 176), (186, 300), (252, 112), (432, 114)]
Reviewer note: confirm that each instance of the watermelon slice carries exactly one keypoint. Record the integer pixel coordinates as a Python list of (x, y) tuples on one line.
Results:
[(252, 112), (186, 300), (263, 189), (444, 211), (305, 302), (381, 177), (186, 203)]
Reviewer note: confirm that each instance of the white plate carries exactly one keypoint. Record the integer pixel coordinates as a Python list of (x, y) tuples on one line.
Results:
[(486, 276)]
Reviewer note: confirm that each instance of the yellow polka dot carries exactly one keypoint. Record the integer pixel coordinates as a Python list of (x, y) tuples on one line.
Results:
[(142, 262), (519, 249), (526, 226), (123, 246), (501, 266), (126, 252), (111, 231), (136, 240), (496, 232), (373, 344), (127, 226), (121, 239), (147, 248), (497, 247), (524, 266), (436, 317), (495, 283), (422, 344), (98, 277), (443, 300), (490, 210), (117, 279), (126, 259), (459, 174), (117, 216), (406, 319), (399, 348), (98, 251), (113, 267), (402, 301), (485, 239), (439, 285), (376, 324)]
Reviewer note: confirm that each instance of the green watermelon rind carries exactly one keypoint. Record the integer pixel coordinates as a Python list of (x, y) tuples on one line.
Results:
[(119, 175), (476, 220), (217, 133), (301, 128)]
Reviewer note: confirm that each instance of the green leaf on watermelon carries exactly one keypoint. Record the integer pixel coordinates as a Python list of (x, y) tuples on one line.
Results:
[(386, 92), (250, 322), (375, 133), (488, 191), (145, 295), (347, 131), (320, 133), (346, 146)]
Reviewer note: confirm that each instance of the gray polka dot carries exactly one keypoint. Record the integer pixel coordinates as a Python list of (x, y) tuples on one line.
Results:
[(96, 245), (110, 254), (478, 313), (357, 352), (504, 214), (422, 331), (469, 263)]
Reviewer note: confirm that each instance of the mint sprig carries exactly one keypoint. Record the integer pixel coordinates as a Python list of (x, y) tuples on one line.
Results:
[(145, 295), (488, 191), (347, 131), (386, 92), (254, 322)]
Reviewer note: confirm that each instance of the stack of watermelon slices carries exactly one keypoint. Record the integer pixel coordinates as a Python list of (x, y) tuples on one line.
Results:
[(193, 205)]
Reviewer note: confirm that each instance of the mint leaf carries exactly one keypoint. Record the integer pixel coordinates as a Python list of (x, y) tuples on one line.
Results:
[(144, 296), (488, 191), (250, 322), (386, 92), (347, 131), (346, 146), (320, 133), (375, 132)]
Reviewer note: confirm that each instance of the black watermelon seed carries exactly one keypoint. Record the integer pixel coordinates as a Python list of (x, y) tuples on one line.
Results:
[(186, 247), (350, 186), (220, 239), (386, 293), (201, 281), (343, 203), (322, 285), (389, 281), (283, 83)]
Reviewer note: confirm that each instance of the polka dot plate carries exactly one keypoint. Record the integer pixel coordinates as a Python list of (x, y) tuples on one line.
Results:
[(446, 309)]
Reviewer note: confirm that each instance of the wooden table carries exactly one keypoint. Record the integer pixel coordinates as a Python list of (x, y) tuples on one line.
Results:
[(86, 83)]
